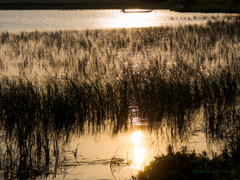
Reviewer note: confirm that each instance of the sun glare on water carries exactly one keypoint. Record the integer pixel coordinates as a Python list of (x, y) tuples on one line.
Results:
[(135, 19), (139, 150)]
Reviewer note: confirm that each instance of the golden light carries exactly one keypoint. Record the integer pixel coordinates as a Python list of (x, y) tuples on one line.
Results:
[(136, 137), (139, 155), (136, 11), (135, 19), (139, 150)]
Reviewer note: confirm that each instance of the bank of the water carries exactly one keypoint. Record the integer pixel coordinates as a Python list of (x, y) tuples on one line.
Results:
[(84, 5), (208, 9), (173, 6)]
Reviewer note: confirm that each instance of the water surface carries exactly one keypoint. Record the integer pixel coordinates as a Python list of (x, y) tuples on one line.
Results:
[(137, 144), (31, 20)]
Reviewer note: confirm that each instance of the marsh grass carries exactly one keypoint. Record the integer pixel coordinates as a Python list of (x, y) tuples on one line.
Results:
[(166, 73), (185, 164)]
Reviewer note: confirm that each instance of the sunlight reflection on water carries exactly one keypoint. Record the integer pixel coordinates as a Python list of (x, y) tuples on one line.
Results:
[(139, 150), (31, 20)]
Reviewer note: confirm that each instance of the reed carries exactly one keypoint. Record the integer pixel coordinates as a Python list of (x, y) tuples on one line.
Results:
[(185, 164), (167, 73)]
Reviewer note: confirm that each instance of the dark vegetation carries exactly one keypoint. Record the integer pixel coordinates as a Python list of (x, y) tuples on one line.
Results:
[(168, 73), (186, 165), (83, 5), (227, 6)]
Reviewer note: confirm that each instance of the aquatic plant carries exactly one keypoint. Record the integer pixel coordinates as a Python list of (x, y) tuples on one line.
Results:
[(189, 165), (166, 73)]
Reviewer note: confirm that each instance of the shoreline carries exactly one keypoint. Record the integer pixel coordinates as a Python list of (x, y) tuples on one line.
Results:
[(74, 6), (123, 5)]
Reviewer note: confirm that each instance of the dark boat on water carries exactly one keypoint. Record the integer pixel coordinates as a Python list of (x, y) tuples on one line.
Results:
[(136, 10)]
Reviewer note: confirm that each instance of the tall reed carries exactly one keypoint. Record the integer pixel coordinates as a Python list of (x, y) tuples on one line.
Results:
[(166, 73)]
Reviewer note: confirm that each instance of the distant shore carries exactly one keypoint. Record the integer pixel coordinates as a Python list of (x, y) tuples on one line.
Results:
[(95, 4)]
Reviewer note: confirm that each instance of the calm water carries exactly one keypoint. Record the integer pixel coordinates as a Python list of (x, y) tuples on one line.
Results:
[(137, 144), (93, 19)]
